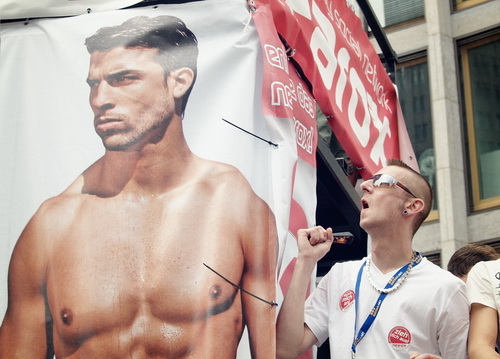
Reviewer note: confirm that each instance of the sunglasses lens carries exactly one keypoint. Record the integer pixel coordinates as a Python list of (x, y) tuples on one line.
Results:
[(383, 180)]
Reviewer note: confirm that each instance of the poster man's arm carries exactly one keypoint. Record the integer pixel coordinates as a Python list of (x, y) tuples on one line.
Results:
[(23, 331), (260, 242)]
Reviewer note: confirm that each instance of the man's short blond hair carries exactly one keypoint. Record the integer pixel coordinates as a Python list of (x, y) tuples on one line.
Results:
[(423, 191)]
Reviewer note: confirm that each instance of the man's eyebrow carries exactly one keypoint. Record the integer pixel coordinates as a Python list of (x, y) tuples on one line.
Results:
[(115, 75), (122, 73), (90, 81)]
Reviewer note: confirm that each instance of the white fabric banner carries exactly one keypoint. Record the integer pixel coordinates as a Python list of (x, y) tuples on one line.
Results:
[(22, 9)]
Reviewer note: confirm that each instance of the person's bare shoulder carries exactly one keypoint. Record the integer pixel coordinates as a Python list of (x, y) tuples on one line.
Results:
[(66, 198), (228, 180), (233, 191), (223, 172), (54, 213), (33, 249)]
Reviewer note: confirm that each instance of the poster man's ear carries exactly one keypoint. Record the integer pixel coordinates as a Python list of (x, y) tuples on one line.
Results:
[(183, 79)]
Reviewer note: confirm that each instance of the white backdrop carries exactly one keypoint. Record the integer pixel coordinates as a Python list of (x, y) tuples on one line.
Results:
[(47, 137)]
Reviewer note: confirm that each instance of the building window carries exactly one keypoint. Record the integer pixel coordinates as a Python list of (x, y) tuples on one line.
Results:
[(463, 4), (395, 12), (412, 80), (480, 71)]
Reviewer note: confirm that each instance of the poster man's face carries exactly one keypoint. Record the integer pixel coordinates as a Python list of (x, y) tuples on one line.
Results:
[(129, 97)]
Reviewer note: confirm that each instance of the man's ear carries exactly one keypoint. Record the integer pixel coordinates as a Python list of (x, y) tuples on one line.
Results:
[(415, 205), (183, 79)]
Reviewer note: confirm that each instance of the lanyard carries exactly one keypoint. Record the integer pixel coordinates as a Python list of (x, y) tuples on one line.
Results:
[(374, 312)]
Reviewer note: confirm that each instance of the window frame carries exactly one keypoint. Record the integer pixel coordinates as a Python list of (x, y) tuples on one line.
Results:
[(465, 4), (477, 204)]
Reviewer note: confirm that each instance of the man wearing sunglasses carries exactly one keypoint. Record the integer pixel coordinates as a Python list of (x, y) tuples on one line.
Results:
[(392, 304)]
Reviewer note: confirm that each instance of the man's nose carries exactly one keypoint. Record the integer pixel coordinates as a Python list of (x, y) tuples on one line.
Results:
[(101, 95), (366, 186)]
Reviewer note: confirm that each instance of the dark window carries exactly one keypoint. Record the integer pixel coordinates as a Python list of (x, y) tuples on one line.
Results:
[(394, 12), (412, 80)]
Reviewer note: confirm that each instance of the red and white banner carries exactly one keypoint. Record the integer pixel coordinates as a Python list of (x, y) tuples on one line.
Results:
[(349, 81), (288, 105)]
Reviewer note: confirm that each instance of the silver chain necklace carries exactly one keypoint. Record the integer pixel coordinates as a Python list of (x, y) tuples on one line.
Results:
[(400, 281)]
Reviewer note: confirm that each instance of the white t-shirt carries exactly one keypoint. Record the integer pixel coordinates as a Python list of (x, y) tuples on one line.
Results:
[(483, 284), (428, 313)]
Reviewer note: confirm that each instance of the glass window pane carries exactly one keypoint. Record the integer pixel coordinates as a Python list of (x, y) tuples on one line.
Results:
[(412, 81), (393, 12), (484, 75), (398, 11)]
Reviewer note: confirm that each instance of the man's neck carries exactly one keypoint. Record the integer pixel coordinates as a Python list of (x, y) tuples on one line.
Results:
[(390, 255), (155, 172), (150, 171)]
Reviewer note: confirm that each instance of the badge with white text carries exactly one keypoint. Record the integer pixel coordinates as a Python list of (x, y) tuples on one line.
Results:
[(399, 337), (346, 300)]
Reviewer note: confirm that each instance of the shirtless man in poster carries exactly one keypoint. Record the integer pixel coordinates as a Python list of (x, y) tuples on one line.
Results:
[(113, 267)]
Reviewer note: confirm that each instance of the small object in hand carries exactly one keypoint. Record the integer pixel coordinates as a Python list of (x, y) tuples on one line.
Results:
[(343, 238)]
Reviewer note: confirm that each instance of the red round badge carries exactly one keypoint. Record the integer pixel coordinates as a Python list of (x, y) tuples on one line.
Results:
[(399, 337), (346, 300)]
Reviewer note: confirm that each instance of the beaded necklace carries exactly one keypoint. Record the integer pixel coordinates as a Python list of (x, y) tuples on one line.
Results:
[(415, 258)]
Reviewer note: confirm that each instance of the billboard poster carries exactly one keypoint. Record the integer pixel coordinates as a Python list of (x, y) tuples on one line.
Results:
[(148, 187)]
